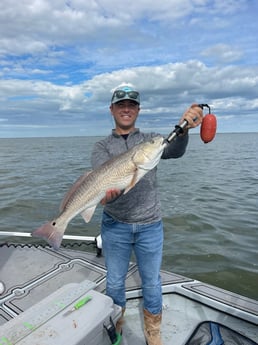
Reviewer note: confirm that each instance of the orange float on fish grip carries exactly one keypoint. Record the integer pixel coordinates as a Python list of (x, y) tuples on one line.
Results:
[(208, 128)]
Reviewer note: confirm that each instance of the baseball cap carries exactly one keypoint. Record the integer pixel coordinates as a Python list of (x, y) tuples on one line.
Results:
[(125, 92)]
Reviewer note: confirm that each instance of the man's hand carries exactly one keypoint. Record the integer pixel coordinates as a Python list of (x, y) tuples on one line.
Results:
[(111, 194), (193, 116)]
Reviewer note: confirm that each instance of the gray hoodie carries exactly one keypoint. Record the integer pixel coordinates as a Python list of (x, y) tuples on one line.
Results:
[(141, 204)]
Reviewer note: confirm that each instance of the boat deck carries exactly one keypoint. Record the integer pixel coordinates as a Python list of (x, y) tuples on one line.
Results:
[(30, 274)]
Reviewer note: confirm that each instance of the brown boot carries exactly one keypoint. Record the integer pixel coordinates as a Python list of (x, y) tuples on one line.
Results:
[(120, 322), (152, 324)]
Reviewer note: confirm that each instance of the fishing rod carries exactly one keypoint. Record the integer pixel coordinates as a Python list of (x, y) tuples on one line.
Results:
[(207, 131)]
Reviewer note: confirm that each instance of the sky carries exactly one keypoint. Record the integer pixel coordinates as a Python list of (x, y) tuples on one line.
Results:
[(60, 61)]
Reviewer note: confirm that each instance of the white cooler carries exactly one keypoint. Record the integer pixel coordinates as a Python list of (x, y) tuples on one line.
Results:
[(51, 322)]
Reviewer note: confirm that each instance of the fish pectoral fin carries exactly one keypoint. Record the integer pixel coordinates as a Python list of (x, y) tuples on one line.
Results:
[(138, 174), (88, 213), (133, 182)]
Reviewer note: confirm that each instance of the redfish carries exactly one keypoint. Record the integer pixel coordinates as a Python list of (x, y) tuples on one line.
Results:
[(121, 172)]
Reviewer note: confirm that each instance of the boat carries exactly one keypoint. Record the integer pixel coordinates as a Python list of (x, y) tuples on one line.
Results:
[(50, 297)]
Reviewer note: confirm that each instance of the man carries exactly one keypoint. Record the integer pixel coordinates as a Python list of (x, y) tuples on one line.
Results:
[(133, 221)]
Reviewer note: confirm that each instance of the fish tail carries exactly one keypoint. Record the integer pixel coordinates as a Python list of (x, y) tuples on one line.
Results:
[(51, 233)]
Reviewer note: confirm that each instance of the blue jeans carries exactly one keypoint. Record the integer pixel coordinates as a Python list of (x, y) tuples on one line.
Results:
[(118, 241)]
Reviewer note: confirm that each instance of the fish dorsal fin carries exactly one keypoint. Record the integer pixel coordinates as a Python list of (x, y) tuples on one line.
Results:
[(71, 191), (88, 213)]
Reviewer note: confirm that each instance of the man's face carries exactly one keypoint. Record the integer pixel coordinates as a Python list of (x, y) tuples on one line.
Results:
[(125, 114)]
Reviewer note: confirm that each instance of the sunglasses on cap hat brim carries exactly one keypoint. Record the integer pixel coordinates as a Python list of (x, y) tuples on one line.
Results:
[(119, 95)]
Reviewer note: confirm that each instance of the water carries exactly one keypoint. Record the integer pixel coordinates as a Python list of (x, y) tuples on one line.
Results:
[(209, 200)]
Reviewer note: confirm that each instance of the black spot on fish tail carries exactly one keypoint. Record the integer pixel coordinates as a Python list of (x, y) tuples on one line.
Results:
[(50, 234)]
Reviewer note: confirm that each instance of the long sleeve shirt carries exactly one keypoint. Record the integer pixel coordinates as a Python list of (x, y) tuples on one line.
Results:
[(141, 204)]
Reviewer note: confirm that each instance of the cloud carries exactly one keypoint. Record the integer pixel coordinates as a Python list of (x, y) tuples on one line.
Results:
[(59, 61), (36, 27), (166, 91), (223, 53)]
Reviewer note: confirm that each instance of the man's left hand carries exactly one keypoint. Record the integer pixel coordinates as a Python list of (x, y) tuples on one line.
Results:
[(193, 116)]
